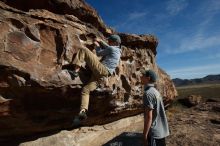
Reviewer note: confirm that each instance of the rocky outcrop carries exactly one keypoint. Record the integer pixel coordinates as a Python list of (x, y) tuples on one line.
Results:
[(36, 50), (191, 100), (91, 135), (78, 8)]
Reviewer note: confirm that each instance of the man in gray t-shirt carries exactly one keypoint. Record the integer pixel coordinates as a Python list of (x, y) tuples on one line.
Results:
[(155, 121)]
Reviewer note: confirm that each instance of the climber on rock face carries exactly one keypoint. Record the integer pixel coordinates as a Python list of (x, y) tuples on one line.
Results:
[(110, 54)]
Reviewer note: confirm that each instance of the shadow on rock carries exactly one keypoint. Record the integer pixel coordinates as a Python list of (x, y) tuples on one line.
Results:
[(18, 140), (126, 139)]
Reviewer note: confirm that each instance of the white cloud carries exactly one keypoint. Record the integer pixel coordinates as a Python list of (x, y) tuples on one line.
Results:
[(201, 38), (213, 56), (195, 71), (175, 6), (131, 19), (197, 42), (214, 6), (136, 15)]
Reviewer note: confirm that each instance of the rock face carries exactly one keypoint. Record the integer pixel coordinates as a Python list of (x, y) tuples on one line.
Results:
[(37, 45)]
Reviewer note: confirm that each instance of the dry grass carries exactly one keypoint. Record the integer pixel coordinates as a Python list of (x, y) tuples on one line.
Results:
[(206, 90)]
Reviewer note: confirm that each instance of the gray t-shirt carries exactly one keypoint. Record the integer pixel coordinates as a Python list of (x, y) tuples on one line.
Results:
[(153, 100), (111, 56)]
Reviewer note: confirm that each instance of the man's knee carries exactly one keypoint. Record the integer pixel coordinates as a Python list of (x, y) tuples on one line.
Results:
[(85, 90), (88, 89)]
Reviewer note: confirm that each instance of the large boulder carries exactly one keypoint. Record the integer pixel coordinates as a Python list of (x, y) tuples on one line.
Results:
[(191, 100), (78, 8), (37, 46)]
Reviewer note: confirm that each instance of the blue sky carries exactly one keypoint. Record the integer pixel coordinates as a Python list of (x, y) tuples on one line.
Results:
[(188, 31)]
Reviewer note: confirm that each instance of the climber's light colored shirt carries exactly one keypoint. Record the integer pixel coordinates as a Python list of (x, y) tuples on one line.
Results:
[(153, 100), (111, 56)]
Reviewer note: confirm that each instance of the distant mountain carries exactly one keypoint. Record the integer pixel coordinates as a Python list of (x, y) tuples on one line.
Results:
[(210, 79)]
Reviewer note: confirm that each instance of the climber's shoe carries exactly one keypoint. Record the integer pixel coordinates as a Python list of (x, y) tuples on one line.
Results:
[(83, 114), (73, 74), (79, 118)]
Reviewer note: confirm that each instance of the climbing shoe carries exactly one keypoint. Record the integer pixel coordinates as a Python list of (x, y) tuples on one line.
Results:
[(73, 74), (79, 118), (83, 114)]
